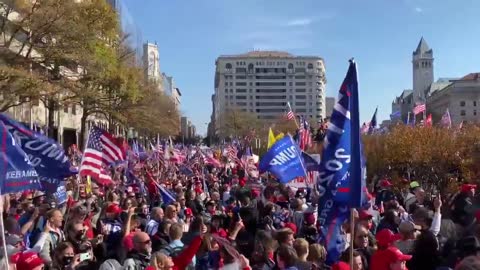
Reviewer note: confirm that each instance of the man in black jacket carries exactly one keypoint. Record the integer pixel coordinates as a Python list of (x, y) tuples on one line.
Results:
[(462, 206)]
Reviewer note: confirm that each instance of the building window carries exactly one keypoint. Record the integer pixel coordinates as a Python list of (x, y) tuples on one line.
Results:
[(475, 103), (74, 109), (310, 66), (226, 90), (226, 83), (474, 112), (290, 83), (462, 113), (290, 66), (228, 66), (65, 108), (462, 103)]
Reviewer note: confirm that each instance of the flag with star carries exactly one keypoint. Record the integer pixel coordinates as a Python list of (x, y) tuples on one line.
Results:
[(103, 150)]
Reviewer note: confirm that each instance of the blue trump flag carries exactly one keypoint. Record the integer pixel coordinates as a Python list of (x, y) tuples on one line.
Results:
[(311, 164), (283, 160), (340, 179), (47, 157), (16, 172)]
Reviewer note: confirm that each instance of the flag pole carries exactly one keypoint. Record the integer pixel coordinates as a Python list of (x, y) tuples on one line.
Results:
[(352, 234), (294, 116), (2, 229)]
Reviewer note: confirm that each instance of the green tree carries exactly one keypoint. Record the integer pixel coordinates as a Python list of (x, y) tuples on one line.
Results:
[(236, 123), (57, 41)]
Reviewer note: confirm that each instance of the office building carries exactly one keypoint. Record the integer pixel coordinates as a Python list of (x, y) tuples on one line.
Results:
[(169, 88), (263, 82), (329, 104)]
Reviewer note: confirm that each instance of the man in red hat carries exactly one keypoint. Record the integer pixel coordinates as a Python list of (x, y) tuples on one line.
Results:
[(385, 194), (385, 239), (29, 261), (462, 204)]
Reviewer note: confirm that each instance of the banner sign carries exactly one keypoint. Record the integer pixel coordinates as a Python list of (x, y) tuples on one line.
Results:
[(45, 155), (283, 160), (60, 194), (16, 172)]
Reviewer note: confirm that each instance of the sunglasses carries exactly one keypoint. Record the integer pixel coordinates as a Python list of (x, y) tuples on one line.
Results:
[(146, 242)]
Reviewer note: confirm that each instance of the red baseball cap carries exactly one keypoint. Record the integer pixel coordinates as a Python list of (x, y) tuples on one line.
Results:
[(385, 183), (386, 237), (341, 266), (364, 215), (309, 218), (291, 226), (28, 261), (188, 212), (468, 187), (114, 209)]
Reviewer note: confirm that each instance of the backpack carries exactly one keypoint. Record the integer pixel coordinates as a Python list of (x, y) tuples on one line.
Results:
[(172, 251)]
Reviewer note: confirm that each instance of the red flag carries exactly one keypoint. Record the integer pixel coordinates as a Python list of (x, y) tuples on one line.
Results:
[(428, 121)]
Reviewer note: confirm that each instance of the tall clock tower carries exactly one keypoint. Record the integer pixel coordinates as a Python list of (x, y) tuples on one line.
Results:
[(422, 62)]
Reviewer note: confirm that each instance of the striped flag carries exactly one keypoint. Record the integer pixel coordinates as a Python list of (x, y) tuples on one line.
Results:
[(419, 109), (290, 115), (102, 150), (304, 137), (446, 120)]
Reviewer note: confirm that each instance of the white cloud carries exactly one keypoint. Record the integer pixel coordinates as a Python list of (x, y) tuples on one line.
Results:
[(418, 10), (300, 22)]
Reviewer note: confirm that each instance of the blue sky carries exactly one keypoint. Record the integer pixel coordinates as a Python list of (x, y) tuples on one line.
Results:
[(380, 34)]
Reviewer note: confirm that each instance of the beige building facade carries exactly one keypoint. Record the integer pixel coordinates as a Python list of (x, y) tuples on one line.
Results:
[(461, 97), (263, 82)]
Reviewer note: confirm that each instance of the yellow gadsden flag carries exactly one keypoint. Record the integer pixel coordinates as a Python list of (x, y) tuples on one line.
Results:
[(272, 138)]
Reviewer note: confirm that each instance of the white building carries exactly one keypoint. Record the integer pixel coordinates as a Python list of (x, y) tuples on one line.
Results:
[(151, 63), (169, 88), (329, 104), (460, 96), (263, 82)]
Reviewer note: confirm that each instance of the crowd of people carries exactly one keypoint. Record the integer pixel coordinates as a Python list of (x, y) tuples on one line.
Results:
[(221, 218)]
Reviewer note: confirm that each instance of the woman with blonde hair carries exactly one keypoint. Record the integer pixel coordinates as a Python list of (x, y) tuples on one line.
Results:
[(317, 254), (161, 261)]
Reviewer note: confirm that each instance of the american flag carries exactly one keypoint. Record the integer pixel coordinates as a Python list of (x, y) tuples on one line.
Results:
[(290, 115), (304, 137), (102, 150), (231, 152), (446, 120), (419, 109)]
